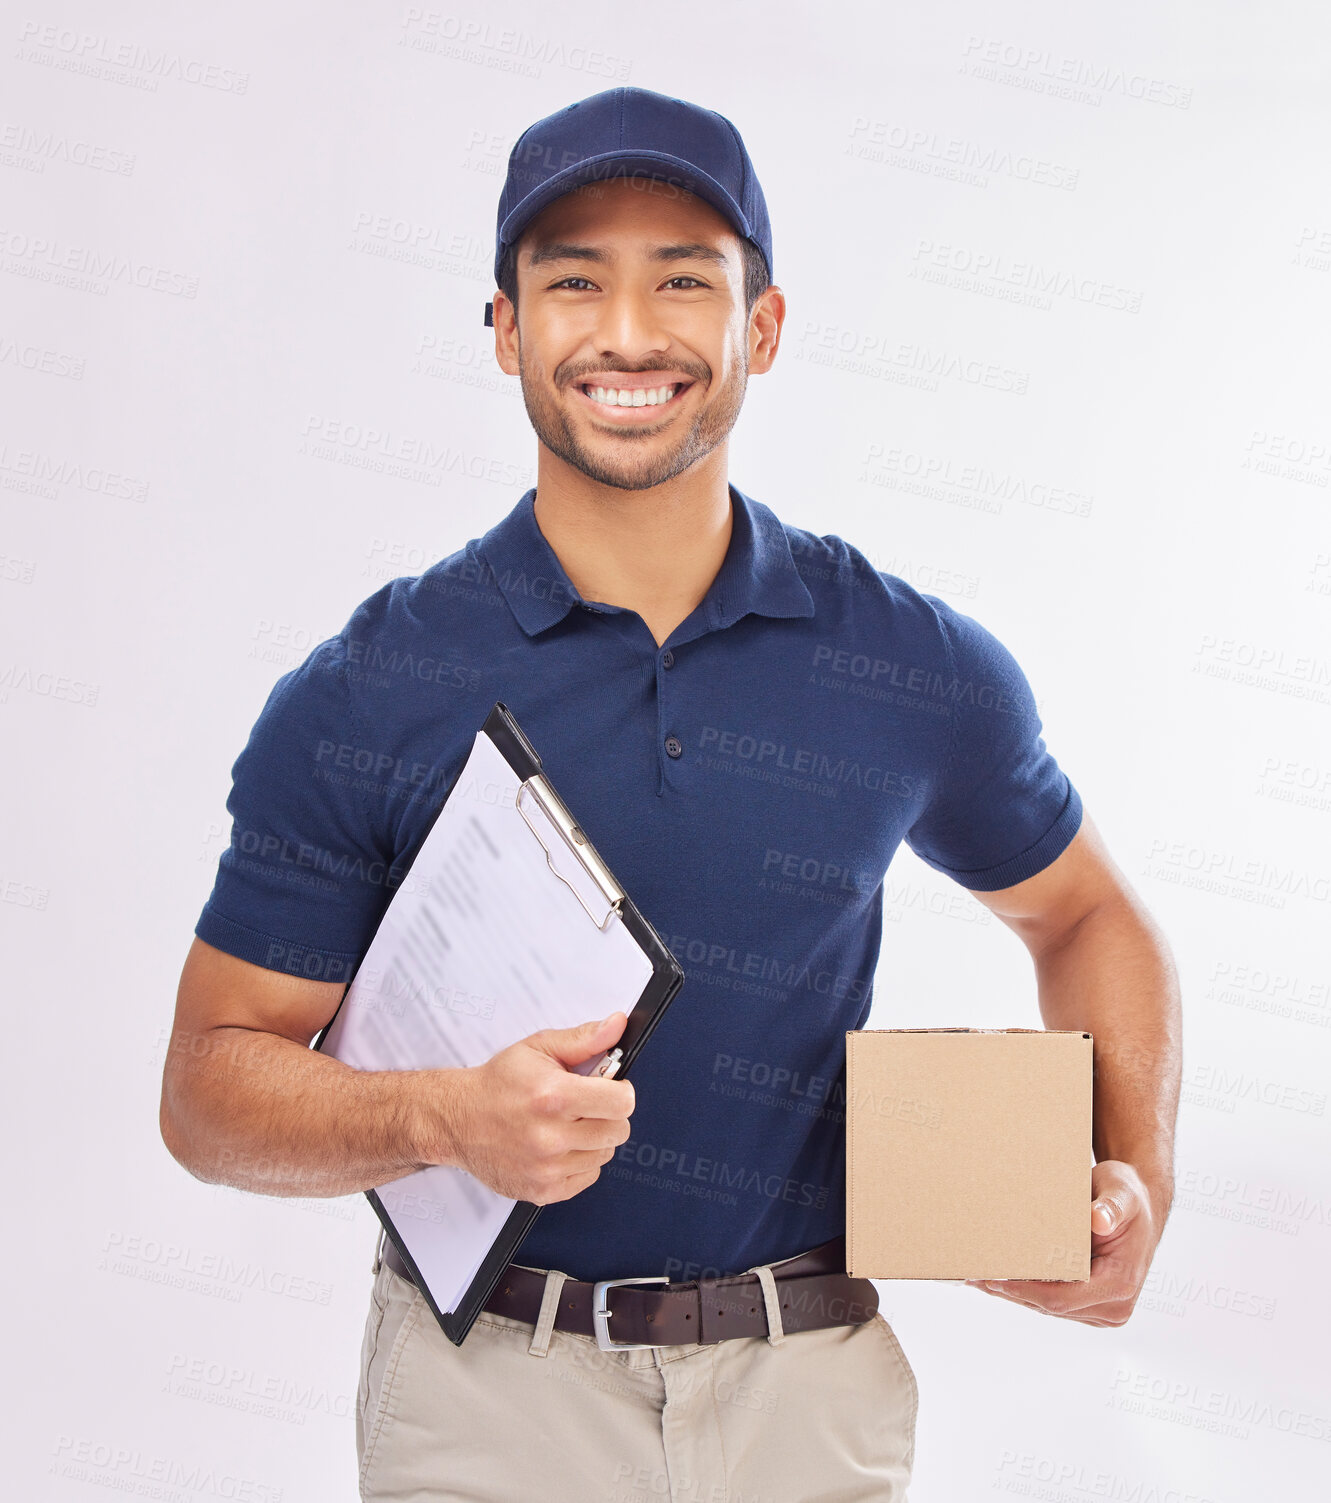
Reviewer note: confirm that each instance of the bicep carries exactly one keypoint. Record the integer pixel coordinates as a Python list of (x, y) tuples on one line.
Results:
[(219, 993), (218, 990), (998, 809), (1047, 908)]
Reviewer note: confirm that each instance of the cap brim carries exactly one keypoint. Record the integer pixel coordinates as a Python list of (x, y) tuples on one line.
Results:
[(628, 163)]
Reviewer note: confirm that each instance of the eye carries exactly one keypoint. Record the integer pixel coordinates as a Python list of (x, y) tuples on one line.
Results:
[(567, 280), (683, 278)]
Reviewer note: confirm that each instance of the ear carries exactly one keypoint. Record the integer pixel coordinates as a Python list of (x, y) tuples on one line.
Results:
[(765, 322), (505, 320)]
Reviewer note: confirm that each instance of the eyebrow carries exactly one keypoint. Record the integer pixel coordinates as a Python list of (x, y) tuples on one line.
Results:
[(563, 250)]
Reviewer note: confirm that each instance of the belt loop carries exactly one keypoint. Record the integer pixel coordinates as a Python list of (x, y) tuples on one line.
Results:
[(775, 1331), (545, 1321), (378, 1251)]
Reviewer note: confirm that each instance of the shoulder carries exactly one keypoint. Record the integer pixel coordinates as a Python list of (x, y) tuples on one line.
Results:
[(423, 627), (419, 623), (838, 574), (442, 597), (925, 639)]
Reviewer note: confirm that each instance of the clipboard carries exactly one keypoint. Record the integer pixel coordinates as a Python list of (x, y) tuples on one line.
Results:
[(363, 1026)]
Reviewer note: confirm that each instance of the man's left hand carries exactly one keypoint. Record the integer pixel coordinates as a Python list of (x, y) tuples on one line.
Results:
[(1124, 1233)]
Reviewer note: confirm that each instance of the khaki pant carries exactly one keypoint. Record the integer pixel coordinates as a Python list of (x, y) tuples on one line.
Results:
[(516, 1415)]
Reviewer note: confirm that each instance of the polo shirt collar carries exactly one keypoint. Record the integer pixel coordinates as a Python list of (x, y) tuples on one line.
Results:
[(758, 573)]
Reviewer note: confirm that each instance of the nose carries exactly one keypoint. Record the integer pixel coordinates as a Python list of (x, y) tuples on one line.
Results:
[(629, 327)]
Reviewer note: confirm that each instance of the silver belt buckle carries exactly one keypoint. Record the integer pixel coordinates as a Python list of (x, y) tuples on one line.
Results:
[(601, 1314)]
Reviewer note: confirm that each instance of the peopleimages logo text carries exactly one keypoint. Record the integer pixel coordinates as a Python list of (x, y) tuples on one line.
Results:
[(803, 759)]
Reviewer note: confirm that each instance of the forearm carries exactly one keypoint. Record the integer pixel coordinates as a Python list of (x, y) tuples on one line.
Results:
[(263, 1113), (1114, 977)]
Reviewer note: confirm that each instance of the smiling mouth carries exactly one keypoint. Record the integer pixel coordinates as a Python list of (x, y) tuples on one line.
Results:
[(634, 404)]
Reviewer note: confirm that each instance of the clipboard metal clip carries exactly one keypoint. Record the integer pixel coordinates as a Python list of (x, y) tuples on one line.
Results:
[(557, 815)]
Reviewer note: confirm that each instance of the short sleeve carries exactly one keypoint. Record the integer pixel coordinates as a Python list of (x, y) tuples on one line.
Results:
[(1002, 808), (302, 885)]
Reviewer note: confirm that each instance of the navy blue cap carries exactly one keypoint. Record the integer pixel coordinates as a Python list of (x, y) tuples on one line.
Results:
[(631, 132)]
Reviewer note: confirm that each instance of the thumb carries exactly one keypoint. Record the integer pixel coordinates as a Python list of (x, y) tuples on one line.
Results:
[(571, 1046), (1107, 1214)]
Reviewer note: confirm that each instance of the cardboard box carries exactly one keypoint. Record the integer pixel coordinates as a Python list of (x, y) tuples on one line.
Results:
[(968, 1153)]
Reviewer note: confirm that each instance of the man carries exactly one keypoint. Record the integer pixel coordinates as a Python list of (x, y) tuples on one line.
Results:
[(748, 719)]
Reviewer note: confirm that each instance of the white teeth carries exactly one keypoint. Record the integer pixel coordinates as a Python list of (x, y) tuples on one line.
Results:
[(635, 397)]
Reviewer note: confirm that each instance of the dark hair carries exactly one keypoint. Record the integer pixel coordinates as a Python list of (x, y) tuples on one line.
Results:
[(756, 280)]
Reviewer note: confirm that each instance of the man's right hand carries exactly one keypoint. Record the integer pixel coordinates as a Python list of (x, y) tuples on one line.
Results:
[(523, 1123), (531, 1128)]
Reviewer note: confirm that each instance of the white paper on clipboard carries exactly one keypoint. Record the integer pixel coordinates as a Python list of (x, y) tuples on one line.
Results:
[(483, 944)]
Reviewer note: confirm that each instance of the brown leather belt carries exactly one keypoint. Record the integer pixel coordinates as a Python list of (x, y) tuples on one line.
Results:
[(813, 1291)]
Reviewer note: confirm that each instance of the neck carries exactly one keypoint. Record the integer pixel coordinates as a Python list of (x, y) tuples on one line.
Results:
[(655, 551)]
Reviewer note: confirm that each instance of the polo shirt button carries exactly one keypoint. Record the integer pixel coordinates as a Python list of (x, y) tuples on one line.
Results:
[(673, 746), (667, 659)]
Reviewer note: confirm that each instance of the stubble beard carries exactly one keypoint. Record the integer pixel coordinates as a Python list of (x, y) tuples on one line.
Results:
[(633, 459)]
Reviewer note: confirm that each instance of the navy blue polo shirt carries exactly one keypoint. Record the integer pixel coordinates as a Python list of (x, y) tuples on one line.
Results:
[(747, 782)]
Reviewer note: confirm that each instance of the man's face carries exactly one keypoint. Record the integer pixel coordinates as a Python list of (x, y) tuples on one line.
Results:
[(631, 291)]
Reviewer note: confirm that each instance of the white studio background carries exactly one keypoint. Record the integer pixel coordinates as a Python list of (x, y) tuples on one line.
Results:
[(1058, 289)]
